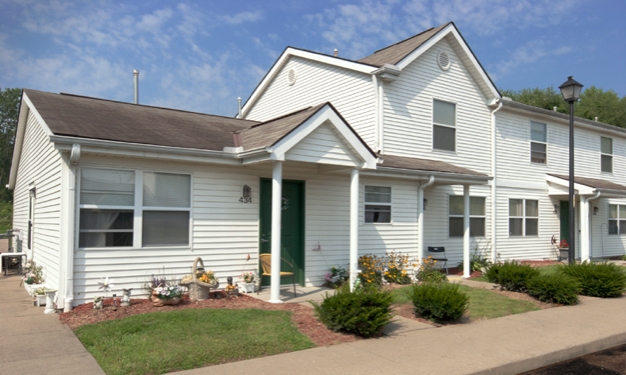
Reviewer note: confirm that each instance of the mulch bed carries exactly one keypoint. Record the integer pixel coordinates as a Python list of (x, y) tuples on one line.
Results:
[(302, 316)]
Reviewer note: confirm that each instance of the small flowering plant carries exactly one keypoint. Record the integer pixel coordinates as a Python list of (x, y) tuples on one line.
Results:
[(563, 244), (167, 292), (248, 277), (34, 275), (336, 277), (207, 277)]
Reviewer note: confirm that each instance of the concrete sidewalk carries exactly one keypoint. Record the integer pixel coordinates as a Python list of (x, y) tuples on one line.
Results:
[(507, 345), (34, 343)]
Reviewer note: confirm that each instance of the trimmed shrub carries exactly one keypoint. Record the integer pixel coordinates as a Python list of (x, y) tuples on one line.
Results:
[(511, 275), (363, 312), (554, 288), (605, 280), (439, 301)]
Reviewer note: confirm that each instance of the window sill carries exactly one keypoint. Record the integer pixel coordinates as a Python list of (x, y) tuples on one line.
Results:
[(126, 248)]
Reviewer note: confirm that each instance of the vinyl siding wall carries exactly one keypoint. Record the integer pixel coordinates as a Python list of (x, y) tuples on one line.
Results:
[(518, 178), (225, 231), (350, 92), (408, 106), (40, 164)]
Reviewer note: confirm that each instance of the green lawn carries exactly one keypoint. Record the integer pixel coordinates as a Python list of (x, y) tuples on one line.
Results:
[(484, 304), (162, 342), (547, 270)]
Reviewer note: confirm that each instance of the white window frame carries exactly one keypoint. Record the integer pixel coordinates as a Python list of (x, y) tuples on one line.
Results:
[(137, 208), (484, 216), (366, 203), (524, 217), (544, 143), (617, 220), (603, 154), (443, 125)]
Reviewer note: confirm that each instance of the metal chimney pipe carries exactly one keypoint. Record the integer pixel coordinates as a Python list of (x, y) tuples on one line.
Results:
[(336, 52), (136, 76), (239, 106)]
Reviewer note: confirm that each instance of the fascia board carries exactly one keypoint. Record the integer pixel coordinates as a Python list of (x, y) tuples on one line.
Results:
[(113, 148), (450, 29), (18, 143), (441, 177), (324, 114), (288, 53)]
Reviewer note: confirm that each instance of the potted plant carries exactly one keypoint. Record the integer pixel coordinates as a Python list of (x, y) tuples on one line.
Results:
[(39, 296), (33, 279), (248, 282), (563, 250), (165, 294)]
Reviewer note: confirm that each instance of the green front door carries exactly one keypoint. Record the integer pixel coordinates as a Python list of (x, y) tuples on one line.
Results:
[(292, 226), (564, 217)]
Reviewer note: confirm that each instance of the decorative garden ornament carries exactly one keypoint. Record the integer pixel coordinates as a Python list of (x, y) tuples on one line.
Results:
[(98, 303), (125, 301)]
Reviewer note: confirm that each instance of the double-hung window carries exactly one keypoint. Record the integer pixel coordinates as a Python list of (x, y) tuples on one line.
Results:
[(113, 213), (523, 217), (377, 204), (606, 154), (477, 216), (444, 125), (617, 219), (538, 142)]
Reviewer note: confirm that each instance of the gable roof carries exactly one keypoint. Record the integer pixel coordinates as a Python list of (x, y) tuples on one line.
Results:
[(593, 183), (267, 133), (85, 117), (394, 53)]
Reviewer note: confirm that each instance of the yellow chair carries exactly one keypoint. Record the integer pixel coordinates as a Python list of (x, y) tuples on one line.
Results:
[(266, 265)]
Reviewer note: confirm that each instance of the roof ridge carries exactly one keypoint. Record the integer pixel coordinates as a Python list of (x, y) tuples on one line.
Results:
[(411, 37), (142, 105)]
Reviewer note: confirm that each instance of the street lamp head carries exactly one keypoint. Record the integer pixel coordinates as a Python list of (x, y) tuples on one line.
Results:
[(570, 89)]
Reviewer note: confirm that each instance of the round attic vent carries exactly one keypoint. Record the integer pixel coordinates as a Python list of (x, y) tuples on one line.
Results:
[(443, 60), (291, 77)]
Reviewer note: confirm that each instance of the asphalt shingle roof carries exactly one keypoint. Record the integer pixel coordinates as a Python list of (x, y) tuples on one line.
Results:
[(403, 162)]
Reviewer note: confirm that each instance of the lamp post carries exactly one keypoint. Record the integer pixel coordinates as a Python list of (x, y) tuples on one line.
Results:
[(571, 92)]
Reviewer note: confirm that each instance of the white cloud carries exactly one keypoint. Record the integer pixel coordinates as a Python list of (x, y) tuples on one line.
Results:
[(529, 53), (242, 17), (153, 22)]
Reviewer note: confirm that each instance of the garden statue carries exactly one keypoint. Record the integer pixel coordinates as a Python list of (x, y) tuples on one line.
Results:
[(98, 303), (229, 280), (125, 301)]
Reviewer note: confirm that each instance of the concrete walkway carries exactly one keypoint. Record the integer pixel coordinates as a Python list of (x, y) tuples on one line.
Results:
[(34, 343), (507, 345)]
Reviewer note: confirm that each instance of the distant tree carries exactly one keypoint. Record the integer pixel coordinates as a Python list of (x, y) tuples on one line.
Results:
[(606, 105), (9, 111)]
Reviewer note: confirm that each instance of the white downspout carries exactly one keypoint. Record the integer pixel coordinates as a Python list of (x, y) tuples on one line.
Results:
[(494, 200), (377, 110), (381, 119), (420, 218), (70, 232), (354, 227)]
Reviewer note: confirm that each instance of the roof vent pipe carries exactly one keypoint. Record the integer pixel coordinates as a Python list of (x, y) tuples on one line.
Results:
[(336, 52), (239, 106), (136, 75), (554, 108)]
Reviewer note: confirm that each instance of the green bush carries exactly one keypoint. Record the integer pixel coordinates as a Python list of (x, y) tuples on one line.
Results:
[(511, 275), (363, 312), (439, 301), (554, 288), (605, 280), (428, 272)]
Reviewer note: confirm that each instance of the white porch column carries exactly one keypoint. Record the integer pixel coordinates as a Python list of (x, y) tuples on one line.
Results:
[(354, 226), (584, 229), (466, 231), (277, 194)]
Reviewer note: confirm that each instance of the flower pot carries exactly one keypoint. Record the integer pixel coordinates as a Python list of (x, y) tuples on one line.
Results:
[(563, 253), (39, 300), (246, 287), (30, 288)]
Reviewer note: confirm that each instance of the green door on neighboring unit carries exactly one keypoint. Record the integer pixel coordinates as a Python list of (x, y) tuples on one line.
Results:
[(564, 217), (292, 226)]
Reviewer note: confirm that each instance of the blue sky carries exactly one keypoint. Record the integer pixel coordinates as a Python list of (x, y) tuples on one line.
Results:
[(202, 55)]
